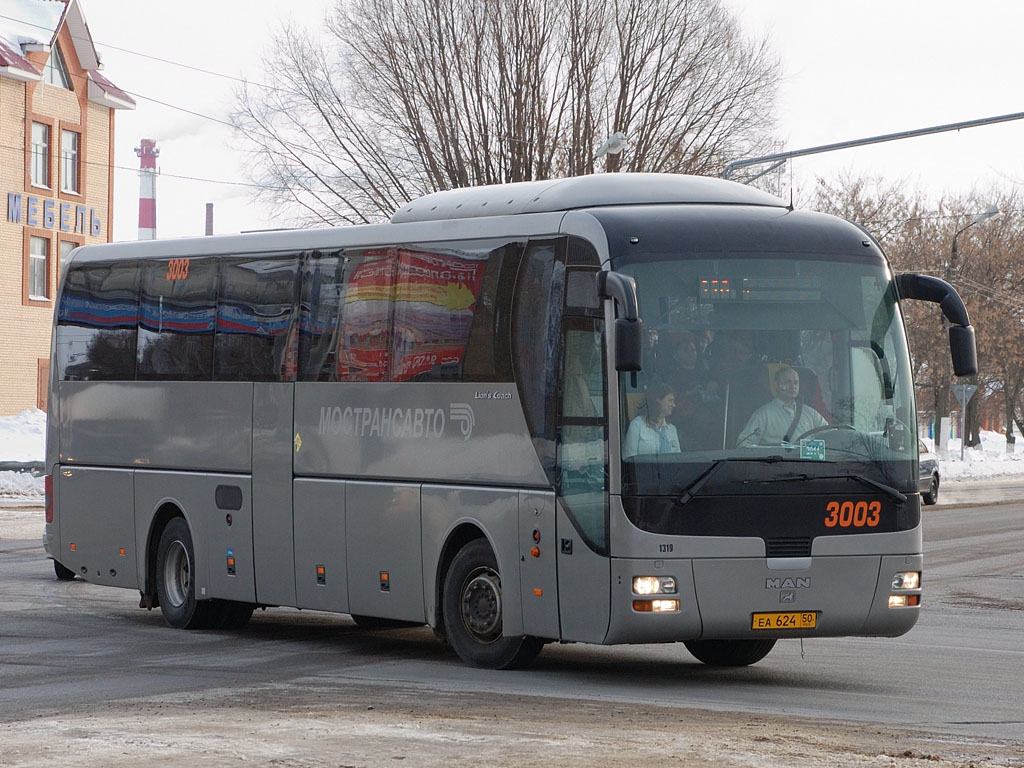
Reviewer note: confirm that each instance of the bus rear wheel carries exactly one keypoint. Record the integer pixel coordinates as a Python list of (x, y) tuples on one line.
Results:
[(62, 572), (175, 580), (729, 653), (472, 608)]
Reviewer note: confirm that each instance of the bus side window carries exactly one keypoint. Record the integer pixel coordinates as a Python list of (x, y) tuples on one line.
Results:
[(536, 338), (97, 322), (359, 348), (321, 296), (255, 304), (176, 320), (437, 296)]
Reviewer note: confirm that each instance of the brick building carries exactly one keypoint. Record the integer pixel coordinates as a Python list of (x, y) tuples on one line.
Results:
[(56, 176)]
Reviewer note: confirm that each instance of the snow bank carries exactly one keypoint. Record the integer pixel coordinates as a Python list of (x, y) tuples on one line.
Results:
[(21, 486), (989, 459), (22, 438)]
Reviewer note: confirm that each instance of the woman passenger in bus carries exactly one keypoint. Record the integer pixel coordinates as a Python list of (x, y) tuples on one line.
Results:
[(650, 433)]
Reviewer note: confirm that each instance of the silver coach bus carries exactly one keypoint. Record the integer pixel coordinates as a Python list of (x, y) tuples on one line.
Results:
[(519, 414)]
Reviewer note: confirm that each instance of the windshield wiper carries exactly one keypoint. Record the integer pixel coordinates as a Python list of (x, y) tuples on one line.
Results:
[(702, 479), (866, 480)]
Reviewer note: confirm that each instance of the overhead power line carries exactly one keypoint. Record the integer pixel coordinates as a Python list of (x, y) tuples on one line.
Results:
[(173, 63), (97, 164)]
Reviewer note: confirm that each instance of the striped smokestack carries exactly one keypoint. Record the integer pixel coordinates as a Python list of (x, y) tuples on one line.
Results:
[(148, 153)]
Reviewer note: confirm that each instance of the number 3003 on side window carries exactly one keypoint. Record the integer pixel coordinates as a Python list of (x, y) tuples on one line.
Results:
[(177, 269), (849, 514)]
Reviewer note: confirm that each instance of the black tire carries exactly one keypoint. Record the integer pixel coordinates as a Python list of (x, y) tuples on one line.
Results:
[(472, 607), (931, 496), (63, 573), (175, 585), (729, 653)]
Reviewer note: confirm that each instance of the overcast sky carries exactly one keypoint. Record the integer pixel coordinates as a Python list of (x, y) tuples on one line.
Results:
[(851, 69)]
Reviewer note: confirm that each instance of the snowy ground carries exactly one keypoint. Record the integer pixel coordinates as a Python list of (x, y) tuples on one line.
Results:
[(23, 438)]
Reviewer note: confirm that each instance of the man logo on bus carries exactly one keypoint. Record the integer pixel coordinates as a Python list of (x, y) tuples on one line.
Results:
[(463, 414)]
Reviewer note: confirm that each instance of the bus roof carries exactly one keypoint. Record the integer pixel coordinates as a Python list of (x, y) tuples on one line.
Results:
[(581, 192)]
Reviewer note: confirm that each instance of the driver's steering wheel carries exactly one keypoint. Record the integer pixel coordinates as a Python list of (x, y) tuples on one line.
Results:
[(825, 428)]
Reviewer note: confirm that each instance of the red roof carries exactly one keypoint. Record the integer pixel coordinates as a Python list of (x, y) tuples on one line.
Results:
[(11, 59), (109, 89), (34, 27)]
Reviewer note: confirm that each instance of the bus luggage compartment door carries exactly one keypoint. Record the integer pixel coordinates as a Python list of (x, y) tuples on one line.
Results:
[(384, 556), (321, 579), (97, 525)]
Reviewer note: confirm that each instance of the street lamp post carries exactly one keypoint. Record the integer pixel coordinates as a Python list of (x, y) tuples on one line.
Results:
[(612, 146), (989, 213)]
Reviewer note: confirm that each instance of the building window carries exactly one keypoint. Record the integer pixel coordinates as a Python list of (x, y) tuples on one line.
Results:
[(65, 247), (40, 155), (56, 70), (38, 268), (69, 142)]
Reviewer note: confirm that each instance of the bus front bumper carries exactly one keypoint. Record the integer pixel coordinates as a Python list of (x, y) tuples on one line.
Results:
[(735, 598)]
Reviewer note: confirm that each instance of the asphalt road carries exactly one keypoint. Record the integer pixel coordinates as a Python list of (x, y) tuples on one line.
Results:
[(958, 676)]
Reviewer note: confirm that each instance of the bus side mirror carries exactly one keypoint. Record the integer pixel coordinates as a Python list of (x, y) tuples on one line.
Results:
[(629, 338), (963, 349), (962, 345), (629, 334)]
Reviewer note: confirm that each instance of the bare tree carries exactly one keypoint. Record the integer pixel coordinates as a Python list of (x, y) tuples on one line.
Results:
[(990, 276), (405, 97), (915, 240), (986, 269)]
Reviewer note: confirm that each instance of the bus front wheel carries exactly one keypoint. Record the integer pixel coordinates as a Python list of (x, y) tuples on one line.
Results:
[(472, 608), (175, 579), (729, 653)]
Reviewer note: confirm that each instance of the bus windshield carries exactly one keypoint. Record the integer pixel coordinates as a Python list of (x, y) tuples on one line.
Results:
[(783, 366)]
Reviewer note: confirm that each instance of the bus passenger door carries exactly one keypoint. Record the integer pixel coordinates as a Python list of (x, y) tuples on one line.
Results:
[(273, 549), (584, 572)]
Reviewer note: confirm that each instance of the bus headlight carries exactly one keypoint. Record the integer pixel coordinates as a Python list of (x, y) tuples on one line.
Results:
[(654, 585), (907, 580)]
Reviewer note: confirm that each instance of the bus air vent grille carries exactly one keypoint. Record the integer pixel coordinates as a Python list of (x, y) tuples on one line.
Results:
[(797, 546)]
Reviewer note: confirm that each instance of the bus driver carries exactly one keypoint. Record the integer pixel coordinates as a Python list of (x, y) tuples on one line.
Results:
[(783, 418)]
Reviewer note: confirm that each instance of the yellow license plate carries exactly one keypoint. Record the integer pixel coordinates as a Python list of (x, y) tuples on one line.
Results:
[(801, 620)]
